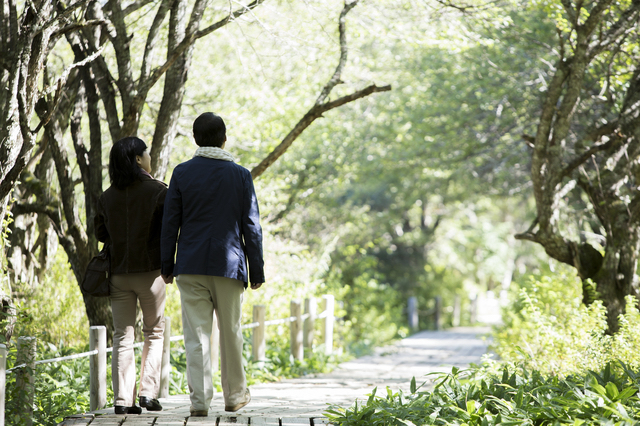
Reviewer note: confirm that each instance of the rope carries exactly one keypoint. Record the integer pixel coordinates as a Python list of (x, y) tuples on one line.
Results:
[(59, 359), (249, 326)]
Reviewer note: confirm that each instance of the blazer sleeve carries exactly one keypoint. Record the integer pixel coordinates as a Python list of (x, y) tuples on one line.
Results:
[(99, 222), (252, 232), (171, 221)]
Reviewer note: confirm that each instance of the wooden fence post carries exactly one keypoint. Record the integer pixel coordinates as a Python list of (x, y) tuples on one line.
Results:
[(165, 370), (412, 313), (296, 330), (3, 380), (258, 349), (310, 307), (456, 312), (473, 308), (327, 324), (98, 367), (437, 314), (25, 379), (215, 344)]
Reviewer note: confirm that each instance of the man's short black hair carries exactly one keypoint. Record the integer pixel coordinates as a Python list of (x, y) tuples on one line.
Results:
[(209, 130)]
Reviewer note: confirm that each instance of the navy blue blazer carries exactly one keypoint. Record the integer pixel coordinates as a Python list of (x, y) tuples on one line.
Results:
[(211, 212)]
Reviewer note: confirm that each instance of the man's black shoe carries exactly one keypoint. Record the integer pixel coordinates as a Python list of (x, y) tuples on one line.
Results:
[(150, 404), (119, 409)]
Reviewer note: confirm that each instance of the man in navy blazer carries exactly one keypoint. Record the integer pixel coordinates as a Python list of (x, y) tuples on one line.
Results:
[(211, 213)]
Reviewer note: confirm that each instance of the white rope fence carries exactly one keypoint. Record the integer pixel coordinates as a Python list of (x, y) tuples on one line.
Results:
[(302, 329)]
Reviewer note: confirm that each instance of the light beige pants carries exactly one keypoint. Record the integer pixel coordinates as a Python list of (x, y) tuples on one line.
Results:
[(201, 295), (126, 289)]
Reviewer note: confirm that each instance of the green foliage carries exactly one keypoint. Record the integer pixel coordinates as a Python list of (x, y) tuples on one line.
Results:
[(56, 302), (61, 388), (550, 330), (280, 364), (512, 396)]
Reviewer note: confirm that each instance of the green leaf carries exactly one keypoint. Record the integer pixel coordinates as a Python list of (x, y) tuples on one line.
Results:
[(413, 385), (372, 396), (471, 406), (626, 393), (612, 390), (599, 389)]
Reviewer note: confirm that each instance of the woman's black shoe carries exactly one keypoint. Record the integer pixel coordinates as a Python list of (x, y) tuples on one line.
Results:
[(150, 404), (119, 409)]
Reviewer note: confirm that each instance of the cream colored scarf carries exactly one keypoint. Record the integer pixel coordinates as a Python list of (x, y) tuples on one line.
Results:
[(213, 152)]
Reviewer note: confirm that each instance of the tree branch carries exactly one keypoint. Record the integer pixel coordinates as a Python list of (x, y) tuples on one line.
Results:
[(624, 24), (528, 234), (335, 78), (152, 38), (319, 107), (60, 84), (135, 6), (315, 112), (158, 72), (530, 140), (580, 159), (77, 26)]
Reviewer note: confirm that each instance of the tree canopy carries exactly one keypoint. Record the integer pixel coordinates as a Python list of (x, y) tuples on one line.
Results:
[(401, 144)]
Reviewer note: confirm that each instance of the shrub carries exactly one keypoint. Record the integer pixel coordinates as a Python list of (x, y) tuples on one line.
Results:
[(550, 330), (515, 396)]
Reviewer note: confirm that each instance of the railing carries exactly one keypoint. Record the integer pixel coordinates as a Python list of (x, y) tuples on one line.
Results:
[(302, 334), (484, 308)]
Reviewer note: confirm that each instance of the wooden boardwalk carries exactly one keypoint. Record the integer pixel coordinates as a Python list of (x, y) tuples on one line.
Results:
[(302, 401)]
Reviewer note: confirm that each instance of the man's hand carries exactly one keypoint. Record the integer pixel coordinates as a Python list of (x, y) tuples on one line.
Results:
[(167, 279), (255, 286)]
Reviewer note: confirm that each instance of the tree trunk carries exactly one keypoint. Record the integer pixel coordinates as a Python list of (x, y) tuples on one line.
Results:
[(571, 153), (617, 277)]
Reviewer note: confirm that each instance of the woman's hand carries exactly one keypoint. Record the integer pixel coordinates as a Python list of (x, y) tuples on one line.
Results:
[(255, 286)]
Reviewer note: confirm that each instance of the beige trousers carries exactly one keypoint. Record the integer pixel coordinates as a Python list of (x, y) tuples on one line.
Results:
[(201, 296), (126, 289)]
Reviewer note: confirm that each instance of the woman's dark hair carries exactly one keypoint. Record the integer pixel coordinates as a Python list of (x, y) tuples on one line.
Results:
[(123, 168), (209, 130)]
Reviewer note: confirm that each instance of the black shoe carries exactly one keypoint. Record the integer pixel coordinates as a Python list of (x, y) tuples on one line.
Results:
[(150, 404), (119, 409)]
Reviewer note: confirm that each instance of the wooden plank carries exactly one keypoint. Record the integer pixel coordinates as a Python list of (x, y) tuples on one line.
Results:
[(265, 421), (77, 420), (170, 421), (229, 420), (109, 420), (202, 421), (296, 421)]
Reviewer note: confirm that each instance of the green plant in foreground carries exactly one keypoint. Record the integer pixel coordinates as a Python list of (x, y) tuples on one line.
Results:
[(60, 388), (515, 396)]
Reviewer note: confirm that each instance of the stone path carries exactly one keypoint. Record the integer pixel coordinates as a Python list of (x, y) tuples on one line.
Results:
[(302, 401)]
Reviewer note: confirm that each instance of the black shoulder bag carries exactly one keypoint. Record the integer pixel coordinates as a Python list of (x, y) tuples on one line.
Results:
[(97, 276)]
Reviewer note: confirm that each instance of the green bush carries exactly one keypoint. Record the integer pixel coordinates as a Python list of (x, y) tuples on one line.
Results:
[(549, 329), (60, 388), (515, 396)]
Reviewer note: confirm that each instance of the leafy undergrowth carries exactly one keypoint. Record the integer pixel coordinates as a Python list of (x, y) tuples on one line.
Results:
[(279, 364), (548, 328), (62, 389), (480, 396)]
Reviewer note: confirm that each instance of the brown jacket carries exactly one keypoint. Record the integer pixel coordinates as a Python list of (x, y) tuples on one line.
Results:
[(131, 221)]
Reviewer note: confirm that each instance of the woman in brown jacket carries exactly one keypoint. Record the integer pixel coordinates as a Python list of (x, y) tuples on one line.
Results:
[(129, 218)]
